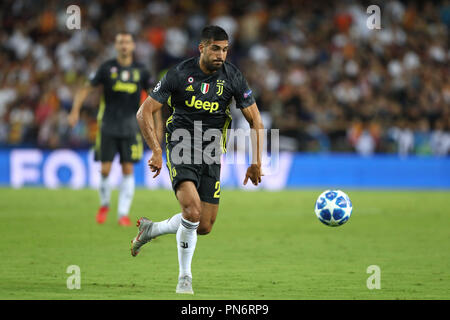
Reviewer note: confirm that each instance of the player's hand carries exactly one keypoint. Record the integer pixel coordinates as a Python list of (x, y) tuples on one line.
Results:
[(73, 119), (254, 173), (155, 163)]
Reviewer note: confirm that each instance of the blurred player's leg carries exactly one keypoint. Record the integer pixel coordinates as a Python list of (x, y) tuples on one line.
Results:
[(187, 233), (104, 192), (126, 193)]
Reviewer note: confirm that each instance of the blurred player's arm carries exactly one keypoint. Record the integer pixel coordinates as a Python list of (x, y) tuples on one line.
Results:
[(253, 117), (95, 79), (150, 111), (78, 100)]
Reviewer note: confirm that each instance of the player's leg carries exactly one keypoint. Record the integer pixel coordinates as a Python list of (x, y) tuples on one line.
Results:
[(126, 193), (200, 204), (207, 217), (105, 149), (187, 232), (168, 226), (105, 187), (130, 150), (104, 192), (149, 229), (177, 173), (209, 192)]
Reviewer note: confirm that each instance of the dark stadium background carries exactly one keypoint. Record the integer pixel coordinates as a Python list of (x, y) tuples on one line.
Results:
[(319, 74)]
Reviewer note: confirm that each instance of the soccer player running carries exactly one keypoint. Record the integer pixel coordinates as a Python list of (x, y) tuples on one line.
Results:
[(123, 80), (200, 91)]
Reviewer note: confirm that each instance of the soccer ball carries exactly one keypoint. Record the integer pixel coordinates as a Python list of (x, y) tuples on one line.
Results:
[(333, 208)]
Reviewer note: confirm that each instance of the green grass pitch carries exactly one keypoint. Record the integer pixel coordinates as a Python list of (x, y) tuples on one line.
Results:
[(264, 245)]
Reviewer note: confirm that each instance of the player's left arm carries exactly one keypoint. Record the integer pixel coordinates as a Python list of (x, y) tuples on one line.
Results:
[(253, 117)]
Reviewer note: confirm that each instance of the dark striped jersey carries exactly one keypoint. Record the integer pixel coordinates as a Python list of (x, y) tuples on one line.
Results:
[(122, 87), (195, 96)]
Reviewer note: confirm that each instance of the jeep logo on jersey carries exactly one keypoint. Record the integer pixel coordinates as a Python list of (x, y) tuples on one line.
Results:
[(204, 88), (205, 105)]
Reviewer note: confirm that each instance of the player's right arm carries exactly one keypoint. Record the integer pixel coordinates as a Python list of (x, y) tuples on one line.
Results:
[(159, 125), (150, 111), (149, 131), (95, 79), (78, 100)]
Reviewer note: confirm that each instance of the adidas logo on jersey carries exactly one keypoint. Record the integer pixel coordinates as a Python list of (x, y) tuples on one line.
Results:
[(190, 88)]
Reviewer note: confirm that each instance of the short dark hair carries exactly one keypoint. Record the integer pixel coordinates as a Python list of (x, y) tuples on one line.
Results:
[(214, 33), (127, 33)]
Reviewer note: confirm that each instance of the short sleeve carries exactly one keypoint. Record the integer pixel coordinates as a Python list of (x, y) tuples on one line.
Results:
[(165, 87), (97, 77), (242, 92)]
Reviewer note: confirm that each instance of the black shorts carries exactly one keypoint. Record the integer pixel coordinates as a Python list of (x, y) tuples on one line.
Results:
[(130, 148), (206, 177)]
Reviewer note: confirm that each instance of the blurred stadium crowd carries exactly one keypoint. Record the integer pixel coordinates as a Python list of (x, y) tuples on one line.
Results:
[(320, 75)]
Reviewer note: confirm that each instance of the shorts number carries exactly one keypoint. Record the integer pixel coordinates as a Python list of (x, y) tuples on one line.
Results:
[(136, 152), (217, 188)]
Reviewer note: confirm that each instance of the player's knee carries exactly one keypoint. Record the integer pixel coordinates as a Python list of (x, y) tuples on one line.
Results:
[(204, 229), (192, 211), (205, 226), (104, 172), (105, 169), (127, 169)]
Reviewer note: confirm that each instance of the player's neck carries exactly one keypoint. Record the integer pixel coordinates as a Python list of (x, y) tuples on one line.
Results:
[(125, 61)]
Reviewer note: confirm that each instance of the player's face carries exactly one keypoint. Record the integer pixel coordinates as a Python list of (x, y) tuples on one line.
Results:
[(124, 44), (213, 54)]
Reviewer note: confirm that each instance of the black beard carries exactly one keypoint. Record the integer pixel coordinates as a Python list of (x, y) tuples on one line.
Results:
[(211, 67)]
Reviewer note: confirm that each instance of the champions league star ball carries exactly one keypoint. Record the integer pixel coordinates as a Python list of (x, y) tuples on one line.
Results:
[(333, 208)]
